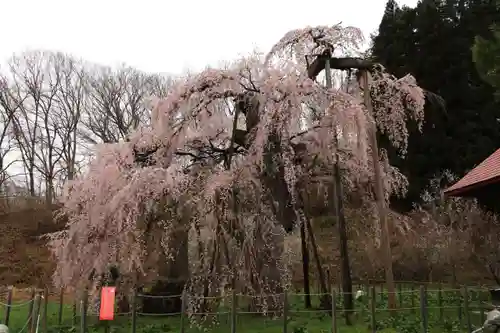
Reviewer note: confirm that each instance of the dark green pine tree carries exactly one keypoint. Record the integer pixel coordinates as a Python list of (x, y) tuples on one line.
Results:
[(433, 42), (486, 56), (397, 36)]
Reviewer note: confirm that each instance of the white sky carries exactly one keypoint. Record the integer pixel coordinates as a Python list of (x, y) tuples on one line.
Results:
[(170, 36)]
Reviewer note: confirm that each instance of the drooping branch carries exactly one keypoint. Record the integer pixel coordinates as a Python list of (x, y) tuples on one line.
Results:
[(245, 104)]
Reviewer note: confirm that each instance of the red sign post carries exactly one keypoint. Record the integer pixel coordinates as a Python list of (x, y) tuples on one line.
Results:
[(107, 310)]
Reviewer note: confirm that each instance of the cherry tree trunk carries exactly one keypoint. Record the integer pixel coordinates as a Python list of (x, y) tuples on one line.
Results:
[(270, 243), (173, 277), (274, 178), (267, 283)]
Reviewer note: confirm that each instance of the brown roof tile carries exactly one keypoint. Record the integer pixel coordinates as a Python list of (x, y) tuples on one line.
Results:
[(488, 170)]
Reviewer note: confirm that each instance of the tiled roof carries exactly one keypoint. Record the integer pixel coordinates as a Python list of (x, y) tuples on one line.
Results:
[(488, 170)]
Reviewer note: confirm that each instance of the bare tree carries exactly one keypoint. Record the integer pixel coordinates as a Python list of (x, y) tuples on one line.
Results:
[(36, 81), (71, 103), (118, 103), (63, 105), (158, 85), (8, 108), (27, 123)]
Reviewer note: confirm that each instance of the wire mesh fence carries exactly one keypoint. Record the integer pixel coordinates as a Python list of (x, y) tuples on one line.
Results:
[(418, 309)]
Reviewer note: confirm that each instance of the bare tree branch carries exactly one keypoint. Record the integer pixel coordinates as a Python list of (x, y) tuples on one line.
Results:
[(36, 82), (71, 101), (119, 104), (8, 109)]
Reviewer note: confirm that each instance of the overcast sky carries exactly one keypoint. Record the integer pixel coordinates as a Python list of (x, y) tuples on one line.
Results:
[(170, 36)]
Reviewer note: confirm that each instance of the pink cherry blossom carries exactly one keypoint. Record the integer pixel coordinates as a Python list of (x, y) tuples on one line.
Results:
[(232, 190)]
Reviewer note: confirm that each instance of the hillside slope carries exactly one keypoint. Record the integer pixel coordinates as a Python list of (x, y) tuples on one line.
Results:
[(25, 258), (26, 261)]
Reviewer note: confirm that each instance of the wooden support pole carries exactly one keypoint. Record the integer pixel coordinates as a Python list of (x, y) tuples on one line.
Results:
[(325, 297), (323, 60), (380, 198), (337, 197)]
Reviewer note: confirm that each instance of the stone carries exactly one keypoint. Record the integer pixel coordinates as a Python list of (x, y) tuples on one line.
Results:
[(4, 328)]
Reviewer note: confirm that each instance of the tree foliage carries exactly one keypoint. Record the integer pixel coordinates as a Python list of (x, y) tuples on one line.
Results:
[(487, 59)]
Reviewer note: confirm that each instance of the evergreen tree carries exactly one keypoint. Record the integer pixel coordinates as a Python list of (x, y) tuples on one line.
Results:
[(433, 42), (486, 56)]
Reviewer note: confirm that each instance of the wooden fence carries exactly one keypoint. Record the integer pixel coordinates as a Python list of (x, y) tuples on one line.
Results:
[(427, 306)]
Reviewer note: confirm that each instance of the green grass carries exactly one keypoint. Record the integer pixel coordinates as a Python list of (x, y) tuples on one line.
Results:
[(407, 319), (19, 314)]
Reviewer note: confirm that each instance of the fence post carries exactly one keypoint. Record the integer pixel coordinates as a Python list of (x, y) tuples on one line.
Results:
[(466, 309), (233, 311), (134, 310), (61, 302), (38, 308), (400, 293), (74, 310), (334, 311), (413, 297), (106, 326), (459, 307), (328, 278), (481, 305), (45, 309), (440, 303), (373, 305), (30, 311), (285, 312), (423, 308), (34, 313), (183, 311), (9, 304), (83, 312)]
